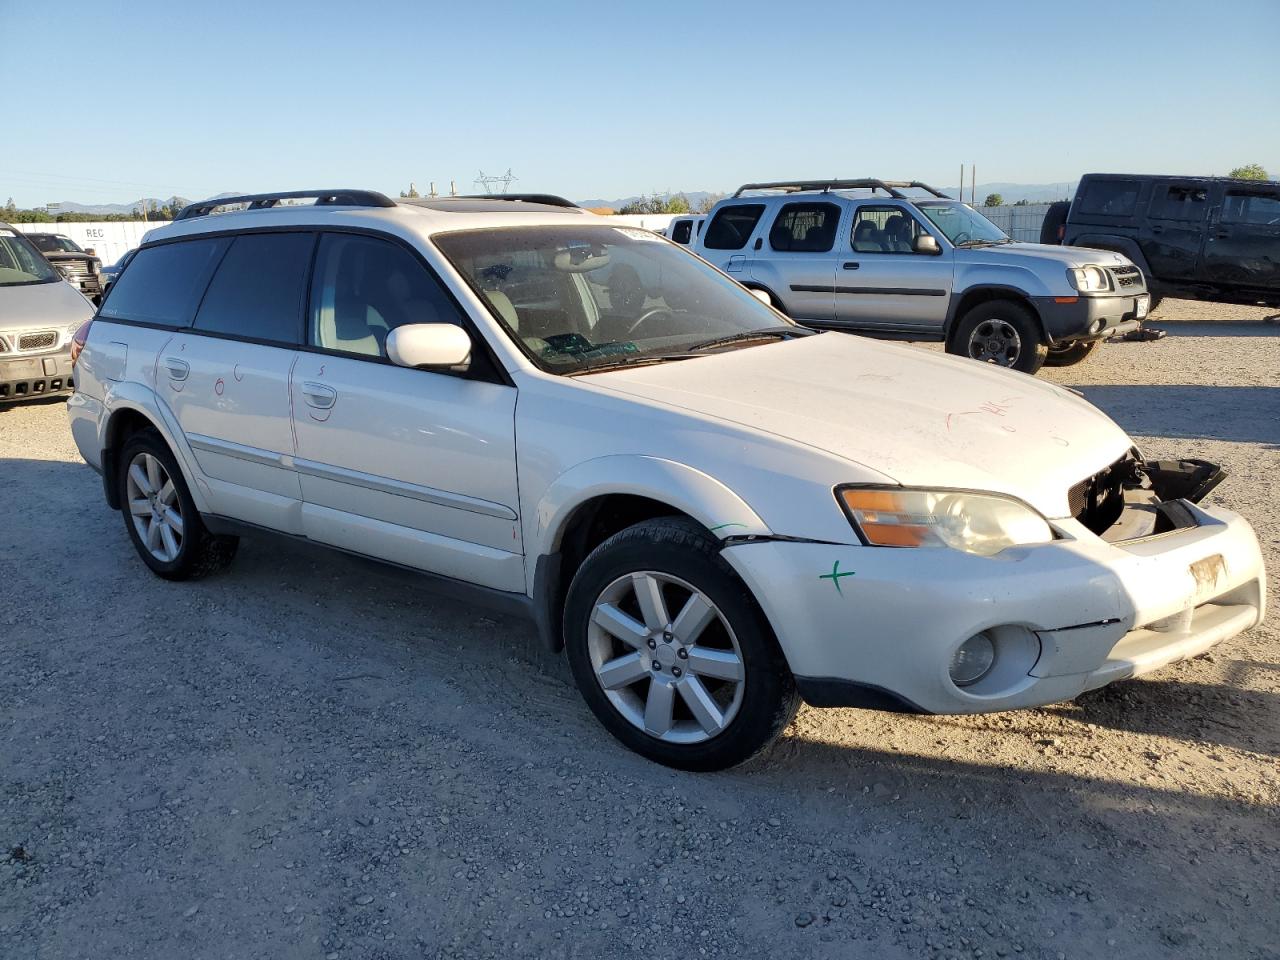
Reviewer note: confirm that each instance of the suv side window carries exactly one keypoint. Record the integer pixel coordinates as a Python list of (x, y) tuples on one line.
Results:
[(364, 287), (259, 289), (1176, 201), (884, 230), (731, 227), (1109, 198), (682, 232), (1252, 205), (163, 284), (805, 227)]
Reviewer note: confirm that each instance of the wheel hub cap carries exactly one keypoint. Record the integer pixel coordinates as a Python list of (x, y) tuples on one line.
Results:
[(995, 341), (154, 507)]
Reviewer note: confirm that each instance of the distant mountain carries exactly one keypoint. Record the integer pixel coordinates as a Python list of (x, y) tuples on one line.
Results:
[(1009, 192), (70, 206), (695, 198)]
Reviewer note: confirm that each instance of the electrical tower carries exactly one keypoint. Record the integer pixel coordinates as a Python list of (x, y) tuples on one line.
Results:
[(487, 183)]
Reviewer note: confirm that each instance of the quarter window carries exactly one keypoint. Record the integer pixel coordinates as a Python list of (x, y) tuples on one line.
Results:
[(364, 288), (1108, 198), (163, 284), (1252, 206), (1179, 202), (732, 226), (805, 228), (258, 290), (884, 230), (682, 231)]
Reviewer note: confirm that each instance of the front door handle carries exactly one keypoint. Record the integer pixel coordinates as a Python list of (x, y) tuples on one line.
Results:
[(178, 369), (319, 395), (850, 265)]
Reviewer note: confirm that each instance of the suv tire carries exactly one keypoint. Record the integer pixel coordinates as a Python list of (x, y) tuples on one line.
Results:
[(160, 515), (688, 672), (1069, 354), (1000, 332)]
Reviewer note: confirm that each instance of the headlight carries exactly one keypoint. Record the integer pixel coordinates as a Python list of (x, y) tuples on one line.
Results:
[(1089, 279), (980, 523)]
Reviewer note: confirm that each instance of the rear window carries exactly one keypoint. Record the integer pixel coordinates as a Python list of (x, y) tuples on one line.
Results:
[(805, 227), (259, 289), (163, 284), (682, 231), (1248, 205), (731, 227), (1108, 198)]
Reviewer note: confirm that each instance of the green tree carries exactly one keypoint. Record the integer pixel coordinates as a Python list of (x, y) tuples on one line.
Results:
[(670, 203), (1250, 171), (709, 201), (1022, 203), (411, 193), (993, 200)]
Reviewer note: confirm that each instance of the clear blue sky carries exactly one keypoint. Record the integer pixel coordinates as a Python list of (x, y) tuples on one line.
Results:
[(606, 99)]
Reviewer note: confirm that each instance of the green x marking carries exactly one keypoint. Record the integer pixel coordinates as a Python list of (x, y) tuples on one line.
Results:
[(835, 575)]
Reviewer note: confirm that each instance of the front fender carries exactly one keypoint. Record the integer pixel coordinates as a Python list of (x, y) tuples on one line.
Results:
[(129, 395)]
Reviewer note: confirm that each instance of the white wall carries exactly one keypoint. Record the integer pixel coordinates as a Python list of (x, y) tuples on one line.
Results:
[(648, 221), (110, 241)]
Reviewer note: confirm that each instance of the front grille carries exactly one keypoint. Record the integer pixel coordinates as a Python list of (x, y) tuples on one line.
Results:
[(4, 345), (33, 388), (76, 268), (1127, 276), (38, 341), (1096, 501)]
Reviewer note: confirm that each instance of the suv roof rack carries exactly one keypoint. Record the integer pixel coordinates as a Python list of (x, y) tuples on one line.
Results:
[(261, 201), (546, 199), (892, 187)]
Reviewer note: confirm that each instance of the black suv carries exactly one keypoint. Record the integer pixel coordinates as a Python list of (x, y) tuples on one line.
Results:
[(1205, 238), (81, 267)]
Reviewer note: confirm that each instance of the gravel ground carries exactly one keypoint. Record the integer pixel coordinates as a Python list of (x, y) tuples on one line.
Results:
[(301, 758)]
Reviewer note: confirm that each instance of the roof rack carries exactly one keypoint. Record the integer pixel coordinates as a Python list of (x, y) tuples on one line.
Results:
[(261, 201), (546, 199), (892, 187)]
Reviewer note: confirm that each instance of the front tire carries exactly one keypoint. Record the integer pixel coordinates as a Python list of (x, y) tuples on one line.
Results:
[(1003, 333), (671, 651), (1069, 354), (160, 515)]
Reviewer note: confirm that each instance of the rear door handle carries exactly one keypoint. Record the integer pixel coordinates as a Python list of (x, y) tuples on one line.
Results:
[(850, 265), (319, 395), (178, 369)]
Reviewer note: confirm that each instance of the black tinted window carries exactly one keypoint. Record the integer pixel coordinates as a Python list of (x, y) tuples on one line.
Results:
[(805, 227), (364, 288), (1252, 206), (1179, 202), (258, 290), (682, 231), (163, 284), (1108, 198), (731, 227)]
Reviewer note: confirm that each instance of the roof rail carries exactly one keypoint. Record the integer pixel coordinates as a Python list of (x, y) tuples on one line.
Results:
[(546, 199), (261, 201), (892, 187)]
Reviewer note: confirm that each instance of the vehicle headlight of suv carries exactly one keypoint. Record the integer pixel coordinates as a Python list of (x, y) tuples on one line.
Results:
[(1089, 279), (979, 523)]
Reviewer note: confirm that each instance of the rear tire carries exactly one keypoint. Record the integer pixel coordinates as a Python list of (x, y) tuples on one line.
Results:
[(693, 679), (160, 515), (1003, 333), (1069, 354)]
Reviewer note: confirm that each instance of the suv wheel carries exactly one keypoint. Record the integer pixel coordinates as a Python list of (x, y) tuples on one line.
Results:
[(1003, 333), (160, 515), (1069, 354), (671, 651)]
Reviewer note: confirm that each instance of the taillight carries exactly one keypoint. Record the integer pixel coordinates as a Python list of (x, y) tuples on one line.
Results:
[(78, 341)]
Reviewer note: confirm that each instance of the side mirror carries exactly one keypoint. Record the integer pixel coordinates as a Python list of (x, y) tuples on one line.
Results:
[(89, 251), (925, 243), (762, 297), (430, 346)]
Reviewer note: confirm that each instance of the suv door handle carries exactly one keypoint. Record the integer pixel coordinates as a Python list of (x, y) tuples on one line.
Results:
[(850, 265), (178, 369), (1156, 228), (319, 395)]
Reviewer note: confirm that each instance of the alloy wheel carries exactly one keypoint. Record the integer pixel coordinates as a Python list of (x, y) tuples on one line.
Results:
[(154, 507), (678, 678), (995, 341)]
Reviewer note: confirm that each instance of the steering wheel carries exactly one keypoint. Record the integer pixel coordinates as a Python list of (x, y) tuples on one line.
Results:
[(647, 315), (960, 238)]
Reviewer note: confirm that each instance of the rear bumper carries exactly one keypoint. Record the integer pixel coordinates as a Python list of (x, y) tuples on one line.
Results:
[(1090, 317), (25, 378)]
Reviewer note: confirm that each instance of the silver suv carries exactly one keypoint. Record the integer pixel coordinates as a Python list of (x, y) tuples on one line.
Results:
[(867, 256)]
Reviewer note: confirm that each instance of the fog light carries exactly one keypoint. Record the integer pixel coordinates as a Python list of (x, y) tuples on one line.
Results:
[(1096, 326), (973, 660)]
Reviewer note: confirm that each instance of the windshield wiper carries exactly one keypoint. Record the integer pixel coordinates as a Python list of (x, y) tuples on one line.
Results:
[(742, 336), (984, 243), (631, 361)]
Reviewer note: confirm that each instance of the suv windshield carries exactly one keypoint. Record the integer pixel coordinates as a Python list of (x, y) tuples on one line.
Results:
[(583, 297), (961, 224), (21, 263), (52, 243)]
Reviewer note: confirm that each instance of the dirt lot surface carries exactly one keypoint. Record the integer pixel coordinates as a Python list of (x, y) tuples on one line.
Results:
[(300, 758)]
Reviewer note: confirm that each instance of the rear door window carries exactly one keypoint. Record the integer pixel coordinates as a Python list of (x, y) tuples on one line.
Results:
[(805, 227), (682, 231), (260, 288), (1179, 201), (1109, 198), (1251, 205), (163, 284), (731, 227)]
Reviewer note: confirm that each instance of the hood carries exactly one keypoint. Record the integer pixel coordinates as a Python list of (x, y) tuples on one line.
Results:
[(30, 305), (1040, 252), (920, 417)]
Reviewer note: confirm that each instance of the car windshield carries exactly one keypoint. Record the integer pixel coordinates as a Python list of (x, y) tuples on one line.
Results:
[(50, 243), (580, 298), (21, 263), (961, 224)]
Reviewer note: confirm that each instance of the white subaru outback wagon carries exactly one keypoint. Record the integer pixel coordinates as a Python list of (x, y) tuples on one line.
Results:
[(715, 512)]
